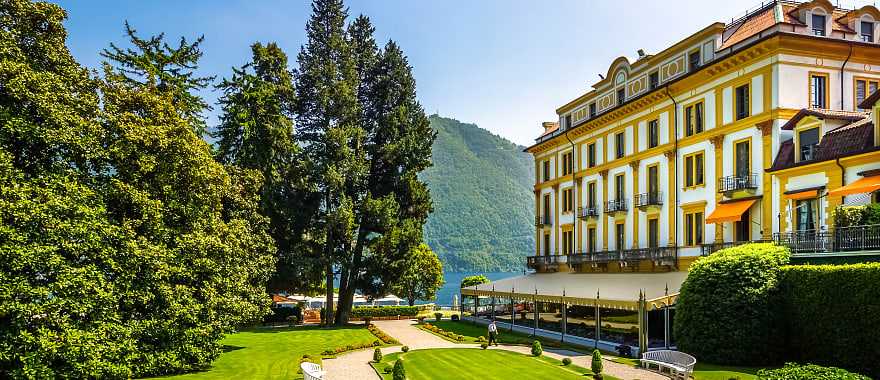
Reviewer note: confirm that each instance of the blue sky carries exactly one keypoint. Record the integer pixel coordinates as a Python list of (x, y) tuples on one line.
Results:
[(503, 65)]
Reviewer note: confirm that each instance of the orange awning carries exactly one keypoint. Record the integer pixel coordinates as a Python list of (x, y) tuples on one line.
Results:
[(729, 212), (803, 195), (864, 185)]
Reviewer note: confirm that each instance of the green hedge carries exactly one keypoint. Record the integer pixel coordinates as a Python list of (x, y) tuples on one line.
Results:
[(384, 311), (832, 315), (728, 307), (808, 372)]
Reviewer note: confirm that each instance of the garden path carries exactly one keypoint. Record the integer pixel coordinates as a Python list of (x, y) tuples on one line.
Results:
[(355, 365)]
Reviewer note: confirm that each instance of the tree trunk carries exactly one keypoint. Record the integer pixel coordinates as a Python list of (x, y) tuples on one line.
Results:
[(346, 298), (328, 308)]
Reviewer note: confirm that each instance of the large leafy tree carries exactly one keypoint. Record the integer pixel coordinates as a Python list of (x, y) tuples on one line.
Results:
[(256, 132), (422, 277), (170, 69), (125, 249)]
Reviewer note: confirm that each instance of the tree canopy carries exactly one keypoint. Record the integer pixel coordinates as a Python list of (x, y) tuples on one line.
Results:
[(422, 277), (474, 280)]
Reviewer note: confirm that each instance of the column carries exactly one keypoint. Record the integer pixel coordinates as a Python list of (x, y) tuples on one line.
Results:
[(493, 307), (476, 308), (512, 313), (643, 324), (635, 173), (718, 142), (535, 313), (766, 128)]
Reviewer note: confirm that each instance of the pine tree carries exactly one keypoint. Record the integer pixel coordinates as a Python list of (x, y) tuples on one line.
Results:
[(169, 69), (256, 132), (327, 128)]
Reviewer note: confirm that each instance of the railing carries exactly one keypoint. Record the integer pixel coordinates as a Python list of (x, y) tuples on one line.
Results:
[(541, 221), (545, 262), (737, 182), (616, 205), (841, 239), (654, 198), (809, 152), (588, 212), (710, 248), (653, 254)]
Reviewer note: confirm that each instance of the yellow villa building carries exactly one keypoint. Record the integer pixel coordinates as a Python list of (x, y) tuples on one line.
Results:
[(755, 130)]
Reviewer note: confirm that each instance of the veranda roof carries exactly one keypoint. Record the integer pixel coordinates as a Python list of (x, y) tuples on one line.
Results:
[(614, 290)]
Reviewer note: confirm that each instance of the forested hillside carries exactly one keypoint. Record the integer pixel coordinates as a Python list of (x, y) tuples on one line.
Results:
[(481, 185)]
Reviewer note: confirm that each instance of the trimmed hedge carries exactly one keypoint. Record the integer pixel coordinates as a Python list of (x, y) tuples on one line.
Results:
[(793, 371), (727, 311), (832, 315), (384, 311), (281, 314)]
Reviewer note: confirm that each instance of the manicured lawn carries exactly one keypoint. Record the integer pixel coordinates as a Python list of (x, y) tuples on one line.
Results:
[(471, 331), (469, 363), (275, 353)]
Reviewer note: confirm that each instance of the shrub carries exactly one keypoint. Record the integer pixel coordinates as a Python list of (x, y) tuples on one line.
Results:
[(404, 349), (459, 338), (741, 281), (793, 371), (481, 339), (484, 345), (383, 311), (596, 364), (387, 368), (470, 281), (536, 348), (399, 373), (421, 319), (377, 355), (831, 314), (566, 361), (438, 316), (377, 343), (455, 317)]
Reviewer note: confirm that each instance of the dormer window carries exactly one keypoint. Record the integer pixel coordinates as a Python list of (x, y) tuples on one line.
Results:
[(621, 96), (818, 25), (867, 31), (809, 142)]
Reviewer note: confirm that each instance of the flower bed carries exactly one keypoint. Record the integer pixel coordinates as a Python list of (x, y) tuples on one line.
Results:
[(449, 334)]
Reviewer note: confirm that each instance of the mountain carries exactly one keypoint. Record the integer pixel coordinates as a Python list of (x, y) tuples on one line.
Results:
[(481, 185)]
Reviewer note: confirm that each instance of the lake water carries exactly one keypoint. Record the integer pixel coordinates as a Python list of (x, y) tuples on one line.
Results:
[(452, 281)]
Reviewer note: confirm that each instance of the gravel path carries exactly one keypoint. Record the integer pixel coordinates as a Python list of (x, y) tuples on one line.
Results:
[(355, 365)]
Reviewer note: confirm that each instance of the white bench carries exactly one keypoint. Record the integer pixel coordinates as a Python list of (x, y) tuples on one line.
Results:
[(311, 371), (680, 364)]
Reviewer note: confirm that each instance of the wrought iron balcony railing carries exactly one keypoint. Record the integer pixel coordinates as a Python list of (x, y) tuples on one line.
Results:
[(545, 262), (737, 182), (588, 212), (710, 248), (654, 198), (616, 205), (841, 239), (542, 220), (600, 257)]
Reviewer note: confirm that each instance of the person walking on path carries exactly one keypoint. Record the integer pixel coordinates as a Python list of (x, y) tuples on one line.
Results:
[(493, 333)]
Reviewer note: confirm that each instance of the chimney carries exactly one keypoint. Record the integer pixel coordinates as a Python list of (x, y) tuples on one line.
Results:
[(550, 126)]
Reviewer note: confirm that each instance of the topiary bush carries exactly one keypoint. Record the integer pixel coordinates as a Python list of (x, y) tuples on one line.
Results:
[(387, 368), (729, 305), (377, 355), (832, 314), (566, 361), (455, 317), (793, 371), (596, 364), (399, 372), (537, 350), (438, 316), (404, 349)]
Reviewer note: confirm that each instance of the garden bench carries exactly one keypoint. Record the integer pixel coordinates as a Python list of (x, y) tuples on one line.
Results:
[(311, 371), (680, 364)]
